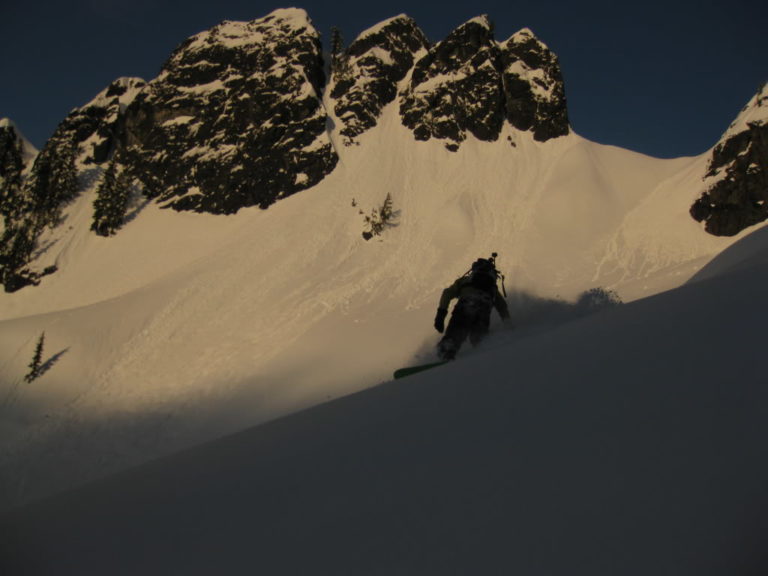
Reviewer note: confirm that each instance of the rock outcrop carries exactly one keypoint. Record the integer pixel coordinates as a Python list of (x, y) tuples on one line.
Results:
[(456, 88), (534, 91), (737, 177), (235, 118), (471, 84), (96, 127), (366, 76)]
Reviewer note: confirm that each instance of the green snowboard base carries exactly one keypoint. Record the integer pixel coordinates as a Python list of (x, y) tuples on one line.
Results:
[(403, 372)]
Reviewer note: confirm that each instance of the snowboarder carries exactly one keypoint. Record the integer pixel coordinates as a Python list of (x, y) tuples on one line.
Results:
[(477, 293)]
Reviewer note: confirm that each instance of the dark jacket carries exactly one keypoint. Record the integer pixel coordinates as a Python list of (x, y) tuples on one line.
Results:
[(463, 288)]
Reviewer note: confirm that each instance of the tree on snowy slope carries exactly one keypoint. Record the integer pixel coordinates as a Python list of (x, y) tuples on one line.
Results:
[(36, 365), (53, 181), (51, 185), (111, 202), (380, 218), (11, 166), (341, 71), (63, 184), (18, 243), (337, 49)]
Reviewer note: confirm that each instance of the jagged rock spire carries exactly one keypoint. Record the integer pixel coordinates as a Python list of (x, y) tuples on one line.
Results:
[(469, 83), (456, 88), (368, 74), (533, 87)]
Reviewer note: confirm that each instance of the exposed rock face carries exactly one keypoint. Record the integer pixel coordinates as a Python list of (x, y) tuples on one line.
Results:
[(95, 127), (533, 87), (456, 88), (235, 118), (737, 178), (367, 75), (469, 83)]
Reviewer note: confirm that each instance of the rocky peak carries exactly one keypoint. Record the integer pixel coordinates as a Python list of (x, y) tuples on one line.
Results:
[(235, 118), (455, 88), (533, 87), (469, 83), (95, 127), (736, 196), (366, 77)]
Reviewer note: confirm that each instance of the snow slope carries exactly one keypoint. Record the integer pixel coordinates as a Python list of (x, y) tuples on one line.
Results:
[(628, 442), (186, 327)]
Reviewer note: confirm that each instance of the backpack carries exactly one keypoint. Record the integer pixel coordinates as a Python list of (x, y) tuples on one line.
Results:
[(483, 275)]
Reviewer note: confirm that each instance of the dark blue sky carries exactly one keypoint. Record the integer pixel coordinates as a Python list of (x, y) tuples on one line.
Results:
[(662, 78)]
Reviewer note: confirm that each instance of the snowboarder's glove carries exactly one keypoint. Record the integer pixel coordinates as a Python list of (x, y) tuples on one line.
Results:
[(440, 319)]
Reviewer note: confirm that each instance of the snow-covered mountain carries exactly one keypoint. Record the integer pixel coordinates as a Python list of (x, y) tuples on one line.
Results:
[(189, 324)]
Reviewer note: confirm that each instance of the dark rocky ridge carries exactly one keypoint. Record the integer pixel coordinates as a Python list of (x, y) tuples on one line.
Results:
[(367, 76), (235, 118), (456, 88), (533, 87), (738, 198), (469, 83), (96, 127)]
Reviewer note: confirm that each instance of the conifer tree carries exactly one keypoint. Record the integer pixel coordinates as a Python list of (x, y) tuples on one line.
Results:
[(36, 187), (53, 180), (380, 218), (11, 166), (111, 201), (337, 46), (37, 360), (16, 247), (340, 68), (65, 184), (51, 184), (386, 211)]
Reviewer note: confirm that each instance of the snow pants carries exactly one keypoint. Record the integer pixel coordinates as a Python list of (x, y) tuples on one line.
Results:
[(471, 317)]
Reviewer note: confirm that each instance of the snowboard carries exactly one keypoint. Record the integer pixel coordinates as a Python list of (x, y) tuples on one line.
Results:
[(403, 372)]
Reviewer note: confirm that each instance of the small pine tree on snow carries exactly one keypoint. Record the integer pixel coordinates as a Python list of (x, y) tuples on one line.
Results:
[(380, 218), (111, 201), (37, 360), (386, 211), (337, 47), (340, 68)]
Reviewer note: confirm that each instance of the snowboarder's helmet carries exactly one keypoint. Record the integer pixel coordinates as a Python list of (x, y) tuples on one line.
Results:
[(483, 265)]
